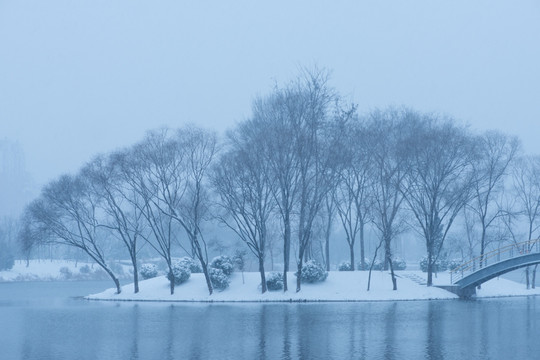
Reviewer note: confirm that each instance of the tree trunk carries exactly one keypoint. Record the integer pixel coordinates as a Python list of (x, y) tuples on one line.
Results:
[(135, 274), (207, 277), (362, 248), (389, 262), (286, 250), (327, 252), (113, 277), (204, 265), (299, 275), (263, 275), (373, 262), (171, 278), (351, 249), (429, 269)]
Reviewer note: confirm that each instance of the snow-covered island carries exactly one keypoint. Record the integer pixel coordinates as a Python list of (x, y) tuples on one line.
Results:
[(339, 286)]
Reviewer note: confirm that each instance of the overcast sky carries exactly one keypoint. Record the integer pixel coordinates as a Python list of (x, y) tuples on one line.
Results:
[(78, 78)]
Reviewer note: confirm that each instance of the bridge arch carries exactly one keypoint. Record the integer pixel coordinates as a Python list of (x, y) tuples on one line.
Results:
[(492, 264)]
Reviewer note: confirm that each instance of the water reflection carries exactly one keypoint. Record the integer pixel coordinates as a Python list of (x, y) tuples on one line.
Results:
[(494, 329), (434, 331)]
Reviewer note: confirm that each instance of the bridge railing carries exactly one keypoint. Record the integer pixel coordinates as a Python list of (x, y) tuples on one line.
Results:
[(489, 258)]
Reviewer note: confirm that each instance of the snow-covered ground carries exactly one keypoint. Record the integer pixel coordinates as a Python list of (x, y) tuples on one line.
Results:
[(339, 286), (52, 270)]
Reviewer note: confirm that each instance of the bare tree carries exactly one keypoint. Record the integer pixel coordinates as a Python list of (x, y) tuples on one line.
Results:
[(121, 204), (294, 120), (495, 152), (152, 169), (526, 185), (246, 193), (439, 181), (388, 134), (272, 117), (67, 212), (174, 185), (328, 215), (353, 197)]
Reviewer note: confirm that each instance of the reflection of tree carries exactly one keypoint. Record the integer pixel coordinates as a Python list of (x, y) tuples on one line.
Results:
[(434, 332), (390, 332)]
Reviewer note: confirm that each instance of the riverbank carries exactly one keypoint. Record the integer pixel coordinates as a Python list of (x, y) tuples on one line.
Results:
[(339, 286), (60, 270)]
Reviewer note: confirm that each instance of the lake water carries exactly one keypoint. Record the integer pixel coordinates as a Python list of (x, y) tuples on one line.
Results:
[(44, 321)]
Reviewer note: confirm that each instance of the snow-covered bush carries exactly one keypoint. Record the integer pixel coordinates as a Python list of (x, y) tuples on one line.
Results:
[(180, 273), (454, 263), (148, 271), (219, 279), (193, 265), (344, 266), (85, 269), (399, 263), (313, 272), (224, 263), (65, 272), (377, 265), (440, 265), (274, 281), (366, 265)]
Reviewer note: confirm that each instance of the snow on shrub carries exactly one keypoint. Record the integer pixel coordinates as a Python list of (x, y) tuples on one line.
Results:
[(313, 272), (399, 264), (274, 281), (454, 263), (219, 279), (344, 266), (223, 263), (85, 269), (440, 265), (148, 271), (193, 265), (366, 265), (180, 273)]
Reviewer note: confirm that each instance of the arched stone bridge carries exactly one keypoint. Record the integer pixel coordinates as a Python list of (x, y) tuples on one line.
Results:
[(466, 277)]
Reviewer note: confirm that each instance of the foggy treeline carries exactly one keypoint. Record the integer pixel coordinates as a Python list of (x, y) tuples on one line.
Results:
[(303, 164)]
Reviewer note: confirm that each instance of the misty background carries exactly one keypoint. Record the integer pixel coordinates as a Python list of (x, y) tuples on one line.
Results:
[(79, 79)]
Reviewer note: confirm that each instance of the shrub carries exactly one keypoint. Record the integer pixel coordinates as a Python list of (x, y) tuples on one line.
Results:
[(313, 272), (365, 263), (148, 271), (65, 272), (116, 268), (85, 269), (377, 265), (223, 263), (454, 263), (193, 265), (399, 264), (274, 281), (440, 265), (6, 260), (180, 273), (344, 266), (219, 279)]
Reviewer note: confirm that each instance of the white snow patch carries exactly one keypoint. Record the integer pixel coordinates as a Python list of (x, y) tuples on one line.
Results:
[(339, 286)]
